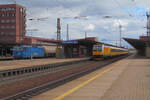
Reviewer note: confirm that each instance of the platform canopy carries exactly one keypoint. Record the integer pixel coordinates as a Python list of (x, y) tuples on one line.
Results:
[(138, 44)]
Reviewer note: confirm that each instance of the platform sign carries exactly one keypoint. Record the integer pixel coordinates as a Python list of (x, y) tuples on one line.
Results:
[(70, 42)]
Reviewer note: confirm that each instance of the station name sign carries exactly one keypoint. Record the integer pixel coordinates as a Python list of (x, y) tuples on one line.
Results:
[(70, 42)]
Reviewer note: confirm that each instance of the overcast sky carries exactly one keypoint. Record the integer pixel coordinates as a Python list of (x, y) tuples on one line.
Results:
[(129, 13)]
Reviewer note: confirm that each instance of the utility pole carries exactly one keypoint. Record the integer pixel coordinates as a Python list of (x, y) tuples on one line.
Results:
[(58, 32), (116, 42), (120, 29), (148, 23), (58, 49), (85, 35), (31, 47), (67, 32)]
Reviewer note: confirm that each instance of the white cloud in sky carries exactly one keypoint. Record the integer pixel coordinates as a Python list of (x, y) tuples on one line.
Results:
[(117, 22), (90, 27)]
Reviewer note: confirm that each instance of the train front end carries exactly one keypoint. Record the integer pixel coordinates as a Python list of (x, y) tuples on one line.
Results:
[(97, 52)]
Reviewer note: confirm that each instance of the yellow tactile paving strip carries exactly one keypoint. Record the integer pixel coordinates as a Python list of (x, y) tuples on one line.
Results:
[(93, 90), (5, 65)]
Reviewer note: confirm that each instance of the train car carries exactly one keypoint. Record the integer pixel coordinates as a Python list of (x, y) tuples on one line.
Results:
[(22, 52), (105, 51), (50, 51)]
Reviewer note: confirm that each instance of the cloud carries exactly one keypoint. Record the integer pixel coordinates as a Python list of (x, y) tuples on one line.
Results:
[(90, 27)]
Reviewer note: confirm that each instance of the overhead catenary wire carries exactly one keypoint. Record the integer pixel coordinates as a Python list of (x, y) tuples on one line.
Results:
[(120, 7)]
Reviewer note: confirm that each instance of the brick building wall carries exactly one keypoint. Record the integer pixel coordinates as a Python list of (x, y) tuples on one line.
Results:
[(12, 24)]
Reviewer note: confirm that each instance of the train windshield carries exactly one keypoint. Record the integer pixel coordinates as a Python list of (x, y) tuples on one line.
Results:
[(18, 49), (97, 48)]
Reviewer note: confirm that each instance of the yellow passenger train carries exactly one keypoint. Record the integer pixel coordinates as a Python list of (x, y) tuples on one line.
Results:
[(103, 51)]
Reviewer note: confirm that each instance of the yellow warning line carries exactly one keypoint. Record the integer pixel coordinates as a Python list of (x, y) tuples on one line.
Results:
[(81, 85)]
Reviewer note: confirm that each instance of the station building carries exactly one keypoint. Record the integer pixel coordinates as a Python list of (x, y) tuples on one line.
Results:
[(79, 48)]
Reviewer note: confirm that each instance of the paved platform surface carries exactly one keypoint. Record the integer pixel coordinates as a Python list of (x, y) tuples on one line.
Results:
[(13, 64), (127, 79), (3, 58)]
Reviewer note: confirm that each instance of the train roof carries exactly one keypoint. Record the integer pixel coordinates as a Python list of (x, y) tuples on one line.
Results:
[(110, 45)]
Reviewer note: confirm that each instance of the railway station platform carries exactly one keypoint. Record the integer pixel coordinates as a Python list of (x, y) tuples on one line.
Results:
[(16, 64), (127, 79), (5, 58)]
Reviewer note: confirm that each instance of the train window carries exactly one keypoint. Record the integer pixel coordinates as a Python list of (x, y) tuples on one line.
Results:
[(99, 48), (18, 49), (116, 50), (95, 48)]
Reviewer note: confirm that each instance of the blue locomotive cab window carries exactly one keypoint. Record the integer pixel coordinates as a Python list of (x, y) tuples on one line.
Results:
[(18, 49)]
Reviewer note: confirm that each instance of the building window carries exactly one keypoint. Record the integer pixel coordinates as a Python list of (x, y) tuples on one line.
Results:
[(13, 8), (2, 33), (8, 9), (2, 21), (2, 27), (10, 33), (7, 27), (13, 14), (8, 21), (9, 14), (12, 27), (13, 21), (3, 15), (22, 10), (3, 9)]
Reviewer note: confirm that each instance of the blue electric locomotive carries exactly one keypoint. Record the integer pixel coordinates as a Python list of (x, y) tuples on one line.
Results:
[(28, 51)]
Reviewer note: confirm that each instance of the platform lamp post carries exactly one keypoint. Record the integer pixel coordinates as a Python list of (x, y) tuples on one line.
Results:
[(34, 30), (67, 32), (31, 30), (120, 29)]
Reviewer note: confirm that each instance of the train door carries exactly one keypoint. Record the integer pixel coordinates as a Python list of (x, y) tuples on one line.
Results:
[(106, 51)]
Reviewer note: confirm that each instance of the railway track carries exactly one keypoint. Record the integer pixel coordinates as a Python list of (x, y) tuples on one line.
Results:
[(68, 73)]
